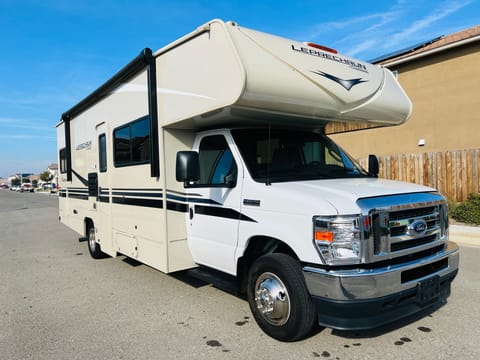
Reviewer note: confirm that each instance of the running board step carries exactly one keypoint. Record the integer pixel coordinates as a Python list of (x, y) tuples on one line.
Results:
[(217, 278)]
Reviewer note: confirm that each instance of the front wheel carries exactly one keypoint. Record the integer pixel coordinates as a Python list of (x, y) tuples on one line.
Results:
[(279, 299), (93, 246)]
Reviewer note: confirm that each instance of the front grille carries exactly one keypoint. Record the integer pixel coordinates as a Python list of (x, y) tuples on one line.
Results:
[(412, 213), (412, 243), (396, 233), (403, 225)]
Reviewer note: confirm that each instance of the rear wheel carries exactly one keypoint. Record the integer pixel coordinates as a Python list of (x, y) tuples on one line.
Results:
[(279, 299), (93, 246)]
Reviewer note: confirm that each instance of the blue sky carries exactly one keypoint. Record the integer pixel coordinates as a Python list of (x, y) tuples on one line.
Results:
[(54, 52)]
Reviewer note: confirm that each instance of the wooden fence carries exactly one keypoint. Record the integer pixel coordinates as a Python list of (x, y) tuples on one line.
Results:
[(453, 173)]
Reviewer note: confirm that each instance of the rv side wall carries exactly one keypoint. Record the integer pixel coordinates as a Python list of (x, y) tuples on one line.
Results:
[(128, 207), (179, 256)]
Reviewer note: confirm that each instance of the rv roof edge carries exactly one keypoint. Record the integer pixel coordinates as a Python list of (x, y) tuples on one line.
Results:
[(138, 64), (223, 65)]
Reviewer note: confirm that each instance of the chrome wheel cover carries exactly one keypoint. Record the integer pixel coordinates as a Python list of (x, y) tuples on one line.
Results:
[(272, 299), (91, 239)]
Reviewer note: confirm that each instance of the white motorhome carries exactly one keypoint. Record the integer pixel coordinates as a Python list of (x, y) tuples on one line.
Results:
[(210, 154)]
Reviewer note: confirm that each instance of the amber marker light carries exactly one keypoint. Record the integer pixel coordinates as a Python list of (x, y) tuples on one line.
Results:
[(324, 236)]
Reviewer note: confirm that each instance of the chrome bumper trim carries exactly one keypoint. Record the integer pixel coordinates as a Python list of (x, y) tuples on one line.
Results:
[(361, 284)]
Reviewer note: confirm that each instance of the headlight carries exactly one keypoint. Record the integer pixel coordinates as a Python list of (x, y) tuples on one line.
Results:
[(337, 239)]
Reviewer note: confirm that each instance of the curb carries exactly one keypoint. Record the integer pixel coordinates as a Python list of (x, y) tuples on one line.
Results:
[(465, 235)]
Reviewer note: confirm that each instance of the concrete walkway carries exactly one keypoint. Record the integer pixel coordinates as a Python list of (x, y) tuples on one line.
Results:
[(465, 235)]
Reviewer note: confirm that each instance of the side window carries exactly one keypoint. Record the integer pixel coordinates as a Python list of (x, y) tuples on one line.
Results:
[(217, 166), (102, 153), (132, 143), (63, 160), (140, 140)]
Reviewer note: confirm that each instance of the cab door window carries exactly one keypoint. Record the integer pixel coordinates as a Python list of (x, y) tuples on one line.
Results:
[(217, 165)]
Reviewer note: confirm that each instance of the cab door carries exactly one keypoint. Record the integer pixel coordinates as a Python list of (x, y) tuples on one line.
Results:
[(214, 202)]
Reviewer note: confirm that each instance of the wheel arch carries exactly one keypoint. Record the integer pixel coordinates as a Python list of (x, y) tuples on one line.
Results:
[(87, 222), (259, 246)]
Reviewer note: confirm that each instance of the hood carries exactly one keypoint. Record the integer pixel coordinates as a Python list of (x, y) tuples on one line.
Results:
[(336, 196)]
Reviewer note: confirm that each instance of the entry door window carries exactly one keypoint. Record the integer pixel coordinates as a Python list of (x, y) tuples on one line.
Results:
[(102, 152), (217, 165)]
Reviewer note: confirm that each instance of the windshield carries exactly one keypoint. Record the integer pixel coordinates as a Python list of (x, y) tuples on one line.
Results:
[(290, 155)]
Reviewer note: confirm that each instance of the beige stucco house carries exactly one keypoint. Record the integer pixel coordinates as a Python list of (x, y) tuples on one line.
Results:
[(440, 144)]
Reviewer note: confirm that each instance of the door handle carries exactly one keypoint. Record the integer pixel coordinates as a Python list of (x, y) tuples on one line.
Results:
[(191, 213)]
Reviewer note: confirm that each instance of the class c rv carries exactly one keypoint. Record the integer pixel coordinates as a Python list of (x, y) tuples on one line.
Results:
[(209, 156)]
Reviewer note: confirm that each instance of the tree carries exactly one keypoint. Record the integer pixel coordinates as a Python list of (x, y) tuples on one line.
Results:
[(46, 176)]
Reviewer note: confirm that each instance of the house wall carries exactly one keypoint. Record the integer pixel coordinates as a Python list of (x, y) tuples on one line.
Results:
[(445, 91)]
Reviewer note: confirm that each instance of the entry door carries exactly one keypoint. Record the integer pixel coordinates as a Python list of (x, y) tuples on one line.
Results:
[(214, 203), (103, 223)]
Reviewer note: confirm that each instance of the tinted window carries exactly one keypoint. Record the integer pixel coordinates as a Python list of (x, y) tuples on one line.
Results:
[(63, 160), (140, 141), (102, 152), (217, 166), (132, 143)]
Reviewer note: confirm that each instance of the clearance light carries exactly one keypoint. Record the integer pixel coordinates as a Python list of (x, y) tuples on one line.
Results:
[(321, 47)]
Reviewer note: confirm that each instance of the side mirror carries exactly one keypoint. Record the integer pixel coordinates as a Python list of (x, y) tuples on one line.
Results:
[(373, 167), (187, 167)]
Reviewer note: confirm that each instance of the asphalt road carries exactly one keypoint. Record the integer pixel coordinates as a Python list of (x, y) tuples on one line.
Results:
[(58, 303)]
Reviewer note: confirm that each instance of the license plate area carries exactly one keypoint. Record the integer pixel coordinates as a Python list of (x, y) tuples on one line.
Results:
[(428, 290)]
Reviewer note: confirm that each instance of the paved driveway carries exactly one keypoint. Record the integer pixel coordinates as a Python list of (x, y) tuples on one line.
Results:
[(58, 303)]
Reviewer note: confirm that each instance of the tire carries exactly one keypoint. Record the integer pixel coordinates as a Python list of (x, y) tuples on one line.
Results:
[(279, 298), (93, 246)]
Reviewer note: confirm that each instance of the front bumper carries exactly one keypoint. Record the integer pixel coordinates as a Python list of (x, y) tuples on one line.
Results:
[(368, 298)]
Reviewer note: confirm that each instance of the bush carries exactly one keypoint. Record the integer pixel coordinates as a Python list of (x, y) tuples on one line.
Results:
[(469, 211)]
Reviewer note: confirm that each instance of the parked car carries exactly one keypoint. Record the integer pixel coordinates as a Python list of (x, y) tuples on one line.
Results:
[(27, 187)]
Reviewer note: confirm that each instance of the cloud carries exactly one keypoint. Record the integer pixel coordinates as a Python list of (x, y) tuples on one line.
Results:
[(27, 124), (47, 97), (27, 137), (379, 20), (402, 24), (362, 47)]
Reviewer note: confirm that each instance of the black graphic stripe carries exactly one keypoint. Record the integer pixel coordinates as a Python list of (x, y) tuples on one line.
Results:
[(221, 212), (192, 199), (154, 203), (131, 193), (153, 198), (78, 196), (75, 193), (138, 189), (174, 206), (83, 180)]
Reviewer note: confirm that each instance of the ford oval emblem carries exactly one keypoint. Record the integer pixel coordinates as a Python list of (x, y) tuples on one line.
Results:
[(418, 228)]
